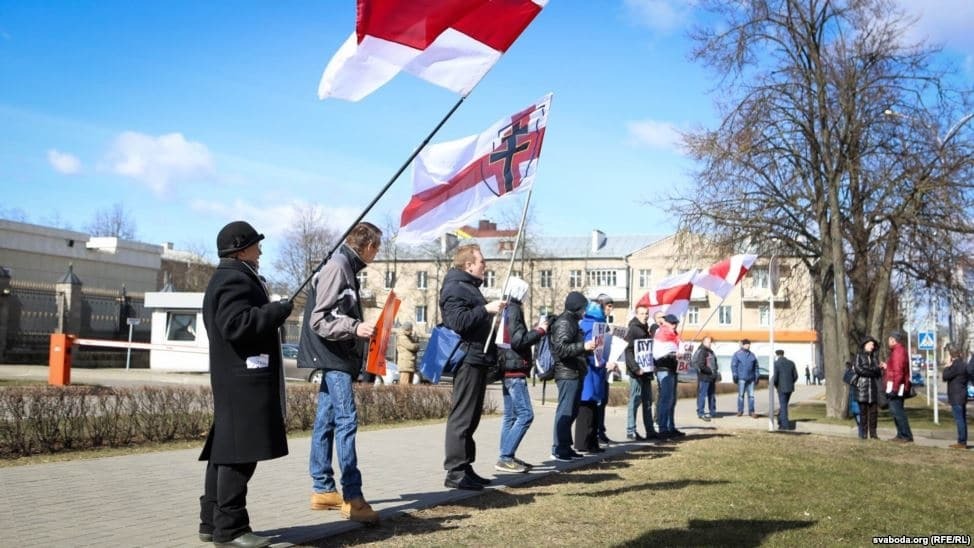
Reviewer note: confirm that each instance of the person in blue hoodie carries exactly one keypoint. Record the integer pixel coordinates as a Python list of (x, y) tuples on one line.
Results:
[(593, 387)]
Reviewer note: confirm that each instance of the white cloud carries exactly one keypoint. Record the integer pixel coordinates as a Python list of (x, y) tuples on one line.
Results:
[(661, 15), (62, 162), (655, 134), (946, 22), (159, 161)]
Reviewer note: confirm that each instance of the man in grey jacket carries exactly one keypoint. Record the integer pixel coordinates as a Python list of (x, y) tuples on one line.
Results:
[(784, 379), (333, 338)]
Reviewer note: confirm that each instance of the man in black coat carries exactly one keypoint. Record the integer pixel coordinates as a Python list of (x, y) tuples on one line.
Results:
[(569, 350), (247, 379), (465, 310), (640, 381), (785, 377), (704, 360)]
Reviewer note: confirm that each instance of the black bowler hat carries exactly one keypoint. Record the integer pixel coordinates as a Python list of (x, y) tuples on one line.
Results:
[(236, 236)]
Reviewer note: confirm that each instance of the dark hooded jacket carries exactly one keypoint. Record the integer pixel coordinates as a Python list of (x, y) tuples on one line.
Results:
[(867, 373), (517, 358), (637, 330), (568, 346)]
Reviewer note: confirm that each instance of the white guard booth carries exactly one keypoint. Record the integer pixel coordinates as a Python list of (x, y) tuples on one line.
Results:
[(178, 335)]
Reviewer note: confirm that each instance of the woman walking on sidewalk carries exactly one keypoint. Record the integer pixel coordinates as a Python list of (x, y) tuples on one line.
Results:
[(955, 375), (865, 386)]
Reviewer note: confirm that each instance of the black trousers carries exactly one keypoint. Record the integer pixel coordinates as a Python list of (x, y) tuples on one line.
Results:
[(469, 388), (586, 427), (868, 419), (600, 410), (223, 506)]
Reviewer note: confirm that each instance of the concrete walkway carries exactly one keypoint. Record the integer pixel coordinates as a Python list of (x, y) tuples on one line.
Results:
[(152, 499)]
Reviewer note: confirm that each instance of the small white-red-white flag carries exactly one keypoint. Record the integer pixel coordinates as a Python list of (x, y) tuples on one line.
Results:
[(450, 43), (671, 295), (453, 182), (723, 276)]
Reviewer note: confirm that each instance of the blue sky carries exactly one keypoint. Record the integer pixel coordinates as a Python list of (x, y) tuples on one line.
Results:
[(193, 114)]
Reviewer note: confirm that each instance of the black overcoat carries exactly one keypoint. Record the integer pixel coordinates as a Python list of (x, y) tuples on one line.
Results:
[(242, 323)]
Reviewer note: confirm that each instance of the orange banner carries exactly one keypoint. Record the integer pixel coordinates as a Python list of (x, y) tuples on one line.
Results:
[(379, 342)]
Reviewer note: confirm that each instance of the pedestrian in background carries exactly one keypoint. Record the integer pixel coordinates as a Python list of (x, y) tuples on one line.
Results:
[(955, 375), (247, 379), (865, 386), (744, 368), (784, 378), (896, 379), (705, 362), (406, 347)]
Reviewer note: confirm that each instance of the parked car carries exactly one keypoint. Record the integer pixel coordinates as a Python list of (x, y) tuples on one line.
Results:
[(291, 369)]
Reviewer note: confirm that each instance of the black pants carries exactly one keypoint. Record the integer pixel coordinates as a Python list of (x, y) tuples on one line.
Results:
[(600, 409), (469, 387), (223, 506), (586, 427), (868, 418)]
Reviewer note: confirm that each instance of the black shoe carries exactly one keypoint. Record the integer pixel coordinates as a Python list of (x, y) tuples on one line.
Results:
[(594, 450), (604, 440), (651, 436), (475, 477), (562, 457), (576, 455), (679, 434), (466, 482), (246, 540), (206, 537)]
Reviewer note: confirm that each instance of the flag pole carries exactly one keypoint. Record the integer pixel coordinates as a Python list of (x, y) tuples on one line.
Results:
[(510, 266), (710, 317), (382, 192)]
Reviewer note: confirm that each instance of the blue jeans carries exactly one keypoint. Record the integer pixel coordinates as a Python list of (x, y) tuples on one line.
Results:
[(742, 387), (336, 422), (569, 392), (667, 400), (899, 417), (783, 398), (640, 397), (960, 417), (706, 393), (518, 415)]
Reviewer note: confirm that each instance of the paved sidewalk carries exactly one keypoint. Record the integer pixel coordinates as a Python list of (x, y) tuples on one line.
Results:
[(152, 499)]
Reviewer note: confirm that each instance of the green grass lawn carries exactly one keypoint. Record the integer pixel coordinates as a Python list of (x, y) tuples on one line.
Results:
[(722, 489)]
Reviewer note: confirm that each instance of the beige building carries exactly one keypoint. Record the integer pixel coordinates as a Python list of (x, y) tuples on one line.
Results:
[(625, 267)]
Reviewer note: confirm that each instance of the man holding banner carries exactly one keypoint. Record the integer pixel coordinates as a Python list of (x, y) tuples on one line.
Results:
[(333, 338)]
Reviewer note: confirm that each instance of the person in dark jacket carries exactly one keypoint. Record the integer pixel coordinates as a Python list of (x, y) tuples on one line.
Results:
[(744, 368), (640, 380), (569, 351), (334, 337), (247, 378), (865, 385), (607, 304), (517, 361), (704, 360), (784, 378), (464, 310), (666, 344), (955, 375), (594, 387)]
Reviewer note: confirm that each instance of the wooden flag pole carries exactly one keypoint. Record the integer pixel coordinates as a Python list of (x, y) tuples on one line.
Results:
[(382, 192), (510, 266)]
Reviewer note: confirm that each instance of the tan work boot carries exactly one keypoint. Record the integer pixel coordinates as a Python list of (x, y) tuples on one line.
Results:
[(326, 501), (359, 510)]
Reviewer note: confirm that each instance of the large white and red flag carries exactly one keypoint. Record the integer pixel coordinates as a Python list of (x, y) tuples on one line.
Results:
[(671, 295), (450, 43), (723, 276), (454, 182)]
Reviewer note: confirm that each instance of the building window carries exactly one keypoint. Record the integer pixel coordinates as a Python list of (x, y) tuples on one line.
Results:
[(421, 279), (602, 278), (489, 277), (764, 315), (545, 278), (725, 315), (390, 279), (181, 326), (363, 278), (421, 313), (644, 275), (516, 273), (760, 278), (575, 279), (693, 315)]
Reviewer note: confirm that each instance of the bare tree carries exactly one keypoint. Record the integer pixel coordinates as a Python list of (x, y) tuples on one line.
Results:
[(808, 161), (303, 246), (112, 221)]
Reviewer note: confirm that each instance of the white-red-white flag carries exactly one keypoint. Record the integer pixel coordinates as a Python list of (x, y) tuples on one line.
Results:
[(450, 43), (454, 182), (671, 295), (723, 276)]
